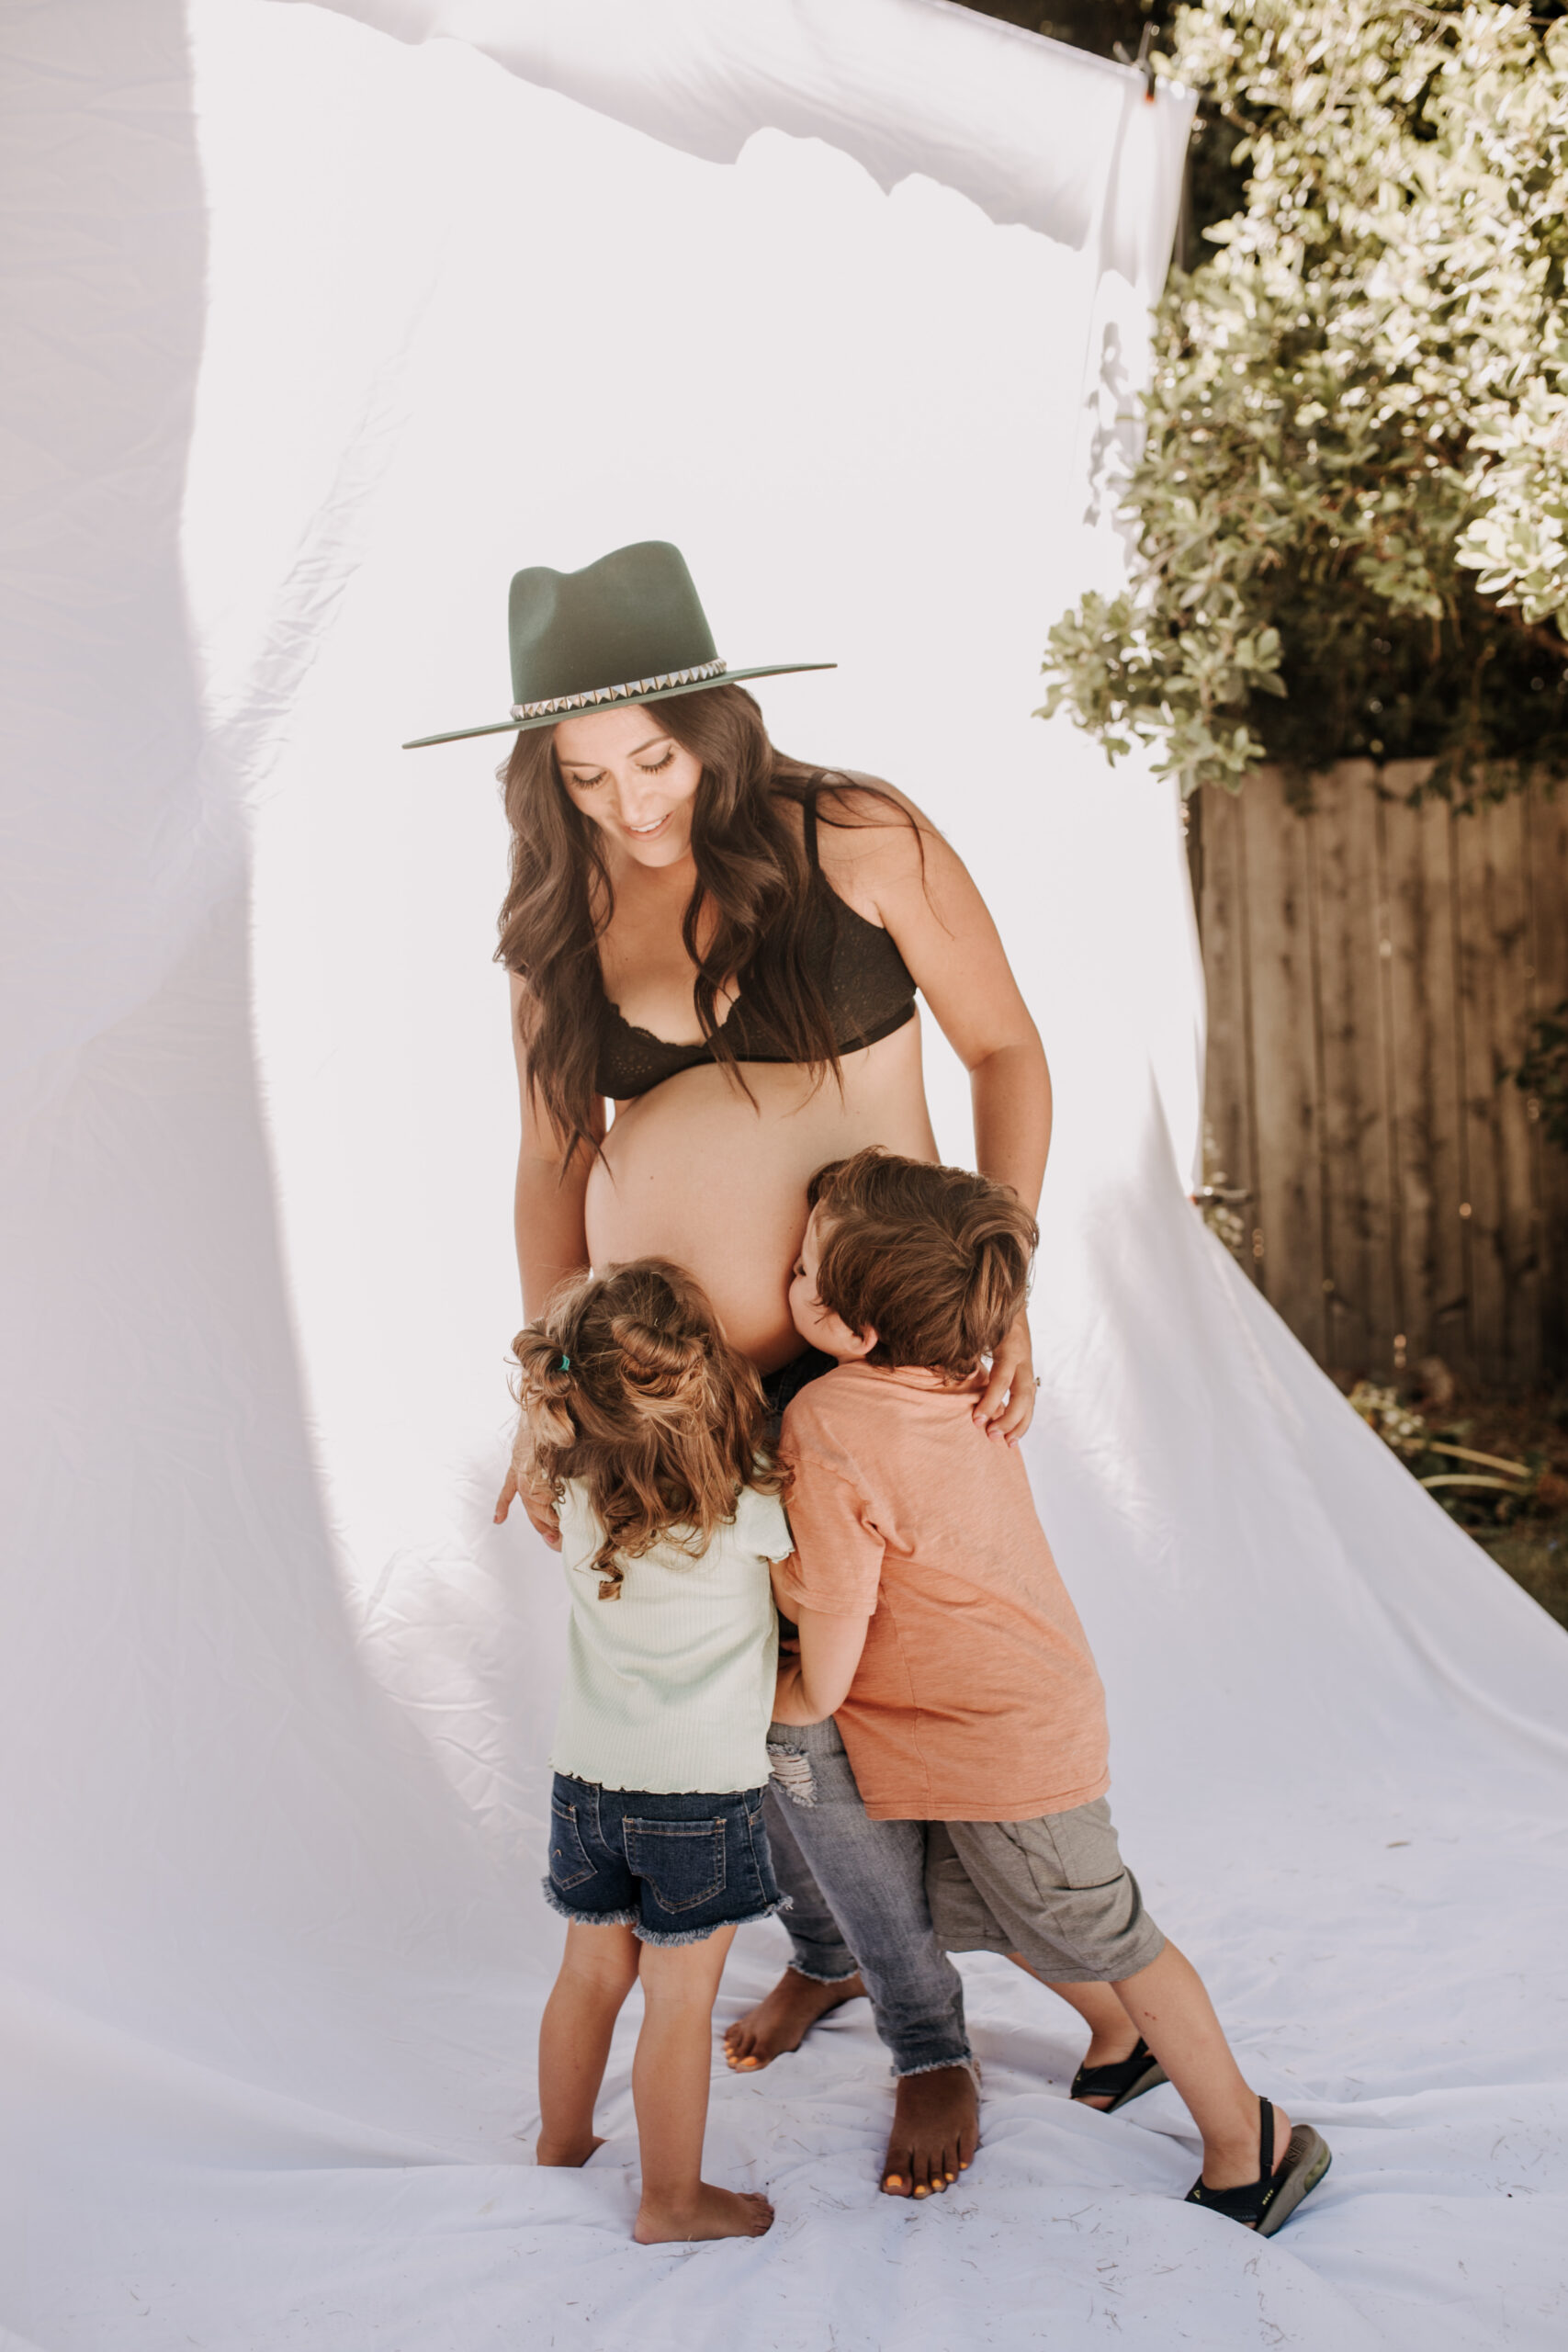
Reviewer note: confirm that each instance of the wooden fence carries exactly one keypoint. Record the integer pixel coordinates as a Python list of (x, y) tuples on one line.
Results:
[(1373, 970)]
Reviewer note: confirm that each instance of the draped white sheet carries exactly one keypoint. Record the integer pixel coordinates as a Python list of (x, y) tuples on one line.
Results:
[(315, 337)]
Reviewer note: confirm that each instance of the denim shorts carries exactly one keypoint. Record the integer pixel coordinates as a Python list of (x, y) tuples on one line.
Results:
[(670, 1868)]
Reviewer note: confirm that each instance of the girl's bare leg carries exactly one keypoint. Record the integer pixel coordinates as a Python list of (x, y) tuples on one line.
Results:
[(1168, 2004), (598, 1969), (669, 2086)]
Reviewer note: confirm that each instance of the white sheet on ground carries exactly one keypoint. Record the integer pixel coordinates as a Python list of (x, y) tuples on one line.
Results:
[(275, 1696)]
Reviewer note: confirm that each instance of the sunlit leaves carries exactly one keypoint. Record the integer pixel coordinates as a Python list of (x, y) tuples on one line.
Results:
[(1352, 501)]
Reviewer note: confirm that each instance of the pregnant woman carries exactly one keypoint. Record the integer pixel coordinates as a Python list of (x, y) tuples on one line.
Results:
[(722, 946)]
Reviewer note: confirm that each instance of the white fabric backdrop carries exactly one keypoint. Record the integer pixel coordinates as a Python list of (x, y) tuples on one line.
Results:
[(315, 338)]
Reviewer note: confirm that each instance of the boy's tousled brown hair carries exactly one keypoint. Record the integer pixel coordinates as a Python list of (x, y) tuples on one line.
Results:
[(933, 1260), (626, 1382)]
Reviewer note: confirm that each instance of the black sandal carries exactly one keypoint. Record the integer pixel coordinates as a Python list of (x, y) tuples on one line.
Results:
[(1266, 2204), (1128, 2078)]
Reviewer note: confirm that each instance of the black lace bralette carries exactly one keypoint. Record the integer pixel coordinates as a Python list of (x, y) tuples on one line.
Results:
[(866, 981)]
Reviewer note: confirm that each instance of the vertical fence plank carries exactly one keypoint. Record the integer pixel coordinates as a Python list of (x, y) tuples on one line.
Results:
[(1359, 1214), (1425, 1080), (1493, 934), (1513, 970), (1547, 987), (1372, 972), (1222, 922), (1288, 1175)]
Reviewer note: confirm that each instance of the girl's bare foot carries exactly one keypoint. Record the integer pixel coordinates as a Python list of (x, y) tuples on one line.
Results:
[(936, 2130), (572, 2153), (712, 2213), (782, 2019)]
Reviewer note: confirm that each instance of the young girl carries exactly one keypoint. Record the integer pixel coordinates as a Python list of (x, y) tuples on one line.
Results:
[(644, 1425)]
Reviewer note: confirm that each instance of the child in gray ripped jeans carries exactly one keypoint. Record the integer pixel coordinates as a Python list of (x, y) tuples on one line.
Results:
[(934, 1625)]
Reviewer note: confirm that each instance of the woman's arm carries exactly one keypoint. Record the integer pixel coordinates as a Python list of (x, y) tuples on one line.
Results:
[(921, 891), (552, 1237), (1010, 1089), (813, 1684)]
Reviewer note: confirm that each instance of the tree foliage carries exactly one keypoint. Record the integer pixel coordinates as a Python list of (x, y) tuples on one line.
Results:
[(1351, 505)]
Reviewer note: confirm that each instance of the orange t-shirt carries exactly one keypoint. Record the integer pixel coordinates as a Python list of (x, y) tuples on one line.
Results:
[(976, 1698)]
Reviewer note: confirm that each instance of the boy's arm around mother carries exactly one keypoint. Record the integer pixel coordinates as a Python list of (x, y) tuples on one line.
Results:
[(812, 1684)]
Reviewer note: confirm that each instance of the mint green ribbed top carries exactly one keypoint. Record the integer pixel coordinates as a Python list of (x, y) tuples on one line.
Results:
[(670, 1687)]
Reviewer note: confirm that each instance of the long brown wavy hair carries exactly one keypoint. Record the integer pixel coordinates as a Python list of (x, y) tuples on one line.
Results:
[(753, 873), (627, 1383)]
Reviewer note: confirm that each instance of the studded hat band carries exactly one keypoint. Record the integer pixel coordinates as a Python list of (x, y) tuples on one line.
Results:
[(629, 693)]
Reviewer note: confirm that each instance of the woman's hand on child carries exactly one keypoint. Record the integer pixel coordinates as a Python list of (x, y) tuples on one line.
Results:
[(1007, 1407), (536, 1502)]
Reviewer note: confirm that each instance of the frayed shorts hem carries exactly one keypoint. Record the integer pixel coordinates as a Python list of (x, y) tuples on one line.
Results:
[(699, 1934), (646, 1935), (586, 1918)]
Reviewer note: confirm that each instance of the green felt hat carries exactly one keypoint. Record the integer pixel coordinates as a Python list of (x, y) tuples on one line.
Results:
[(627, 628)]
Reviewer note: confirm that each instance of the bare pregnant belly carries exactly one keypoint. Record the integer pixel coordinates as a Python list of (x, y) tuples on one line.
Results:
[(696, 1173)]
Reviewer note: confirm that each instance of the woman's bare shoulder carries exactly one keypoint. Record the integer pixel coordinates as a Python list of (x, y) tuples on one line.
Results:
[(852, 799), (871, 838)]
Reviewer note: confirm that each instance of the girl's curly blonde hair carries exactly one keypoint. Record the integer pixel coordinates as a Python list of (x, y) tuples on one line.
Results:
[(627, 1383)]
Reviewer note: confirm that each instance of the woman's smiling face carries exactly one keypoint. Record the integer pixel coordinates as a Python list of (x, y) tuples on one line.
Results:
[(636, 783)]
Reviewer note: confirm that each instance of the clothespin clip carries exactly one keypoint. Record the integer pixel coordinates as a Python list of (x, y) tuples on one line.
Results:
[(1143, 61)]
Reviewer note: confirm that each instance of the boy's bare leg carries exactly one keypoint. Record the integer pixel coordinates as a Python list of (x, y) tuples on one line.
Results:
[(782, 2019), (670, 2089), (1168, 2004), (936, 2130), (1112, 2034), (598, 1969)]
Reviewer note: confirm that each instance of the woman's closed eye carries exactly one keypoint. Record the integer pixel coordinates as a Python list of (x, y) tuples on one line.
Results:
[(591, 783)]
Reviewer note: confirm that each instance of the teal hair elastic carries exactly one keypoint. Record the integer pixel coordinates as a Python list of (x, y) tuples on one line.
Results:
[(566, 1363)]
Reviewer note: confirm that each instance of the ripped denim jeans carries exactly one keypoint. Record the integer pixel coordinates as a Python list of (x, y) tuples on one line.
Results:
[(857, 1890)]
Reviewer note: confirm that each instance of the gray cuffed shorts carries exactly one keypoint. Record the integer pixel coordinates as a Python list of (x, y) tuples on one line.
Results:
[(1054, 1890)]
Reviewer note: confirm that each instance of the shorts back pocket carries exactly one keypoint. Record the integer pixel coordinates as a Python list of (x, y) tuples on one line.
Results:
[(682, 1861), (570, 1864)]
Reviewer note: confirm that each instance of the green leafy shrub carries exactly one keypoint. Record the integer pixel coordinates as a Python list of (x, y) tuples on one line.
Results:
[(1352, 500)]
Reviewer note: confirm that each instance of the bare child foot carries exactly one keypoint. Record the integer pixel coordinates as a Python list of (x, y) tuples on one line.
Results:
[(712, 2213), (936, 2130), (573, 2153), (782, 2019)]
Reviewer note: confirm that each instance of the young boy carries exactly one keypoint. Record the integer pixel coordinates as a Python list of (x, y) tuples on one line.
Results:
[(934, 1625)]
